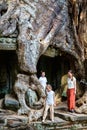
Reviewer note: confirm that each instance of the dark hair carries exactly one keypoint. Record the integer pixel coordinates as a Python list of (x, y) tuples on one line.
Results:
[(70, 71), (48, 85), (42, 71)]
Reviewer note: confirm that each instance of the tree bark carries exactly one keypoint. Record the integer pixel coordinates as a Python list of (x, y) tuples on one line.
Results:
[(38, 25)]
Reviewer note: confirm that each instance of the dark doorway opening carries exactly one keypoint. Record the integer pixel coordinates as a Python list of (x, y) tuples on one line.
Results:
[(8, 62), (55, 68)]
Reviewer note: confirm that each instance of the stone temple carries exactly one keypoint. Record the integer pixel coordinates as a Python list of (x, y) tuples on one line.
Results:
[(35, 35)]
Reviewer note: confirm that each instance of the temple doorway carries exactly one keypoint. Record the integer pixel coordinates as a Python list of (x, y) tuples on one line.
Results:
[(55, 68), (7, 71)]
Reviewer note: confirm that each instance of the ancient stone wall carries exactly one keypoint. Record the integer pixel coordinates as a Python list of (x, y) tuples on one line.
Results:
[(36, 25)]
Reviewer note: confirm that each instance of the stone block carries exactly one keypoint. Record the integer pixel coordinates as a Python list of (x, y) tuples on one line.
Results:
[(31, 97), (11, 103)]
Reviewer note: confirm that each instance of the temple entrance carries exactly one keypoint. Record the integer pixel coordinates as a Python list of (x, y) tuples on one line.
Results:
[(55, 68), (7, 71)]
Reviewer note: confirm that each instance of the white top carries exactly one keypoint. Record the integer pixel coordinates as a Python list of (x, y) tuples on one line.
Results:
[(71, 83), (50, 98), (43, 81)]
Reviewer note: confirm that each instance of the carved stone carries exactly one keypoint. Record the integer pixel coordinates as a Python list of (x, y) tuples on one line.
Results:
[(38, 24), (11, 103), (8, 44)]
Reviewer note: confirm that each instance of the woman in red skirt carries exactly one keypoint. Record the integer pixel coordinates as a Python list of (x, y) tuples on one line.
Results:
[(71, 91)]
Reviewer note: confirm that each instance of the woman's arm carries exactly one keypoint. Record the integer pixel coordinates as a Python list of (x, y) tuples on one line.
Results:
[(75, 85)]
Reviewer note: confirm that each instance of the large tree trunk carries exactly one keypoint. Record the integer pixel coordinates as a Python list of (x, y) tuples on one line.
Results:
[(38, 25)]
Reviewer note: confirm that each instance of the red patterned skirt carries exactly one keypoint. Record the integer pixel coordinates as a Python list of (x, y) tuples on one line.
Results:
[(71, 98)]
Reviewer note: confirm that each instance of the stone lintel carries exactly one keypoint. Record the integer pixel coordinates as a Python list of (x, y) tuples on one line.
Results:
[(52, 52), (8, 43)]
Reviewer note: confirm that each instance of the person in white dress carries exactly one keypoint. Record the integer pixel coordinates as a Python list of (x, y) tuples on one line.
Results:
[(43, 80)]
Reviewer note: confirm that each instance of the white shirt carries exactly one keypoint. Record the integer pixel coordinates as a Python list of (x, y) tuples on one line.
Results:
[(50, 98), (43, 81), (71, 83)]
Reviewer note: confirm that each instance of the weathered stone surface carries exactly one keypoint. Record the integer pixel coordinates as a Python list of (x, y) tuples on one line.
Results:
[(1, 103), (71, 116), (50, 25), (51, 52), (11, 103), (41, 24), (31, 97), (8, 44), (14, 122), (82, 104), (62, 112), (21, 87), (9, 121)]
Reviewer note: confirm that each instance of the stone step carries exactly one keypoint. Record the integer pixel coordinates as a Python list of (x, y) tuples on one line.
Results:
[(68, 116), (63, 120), (60, 125)]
